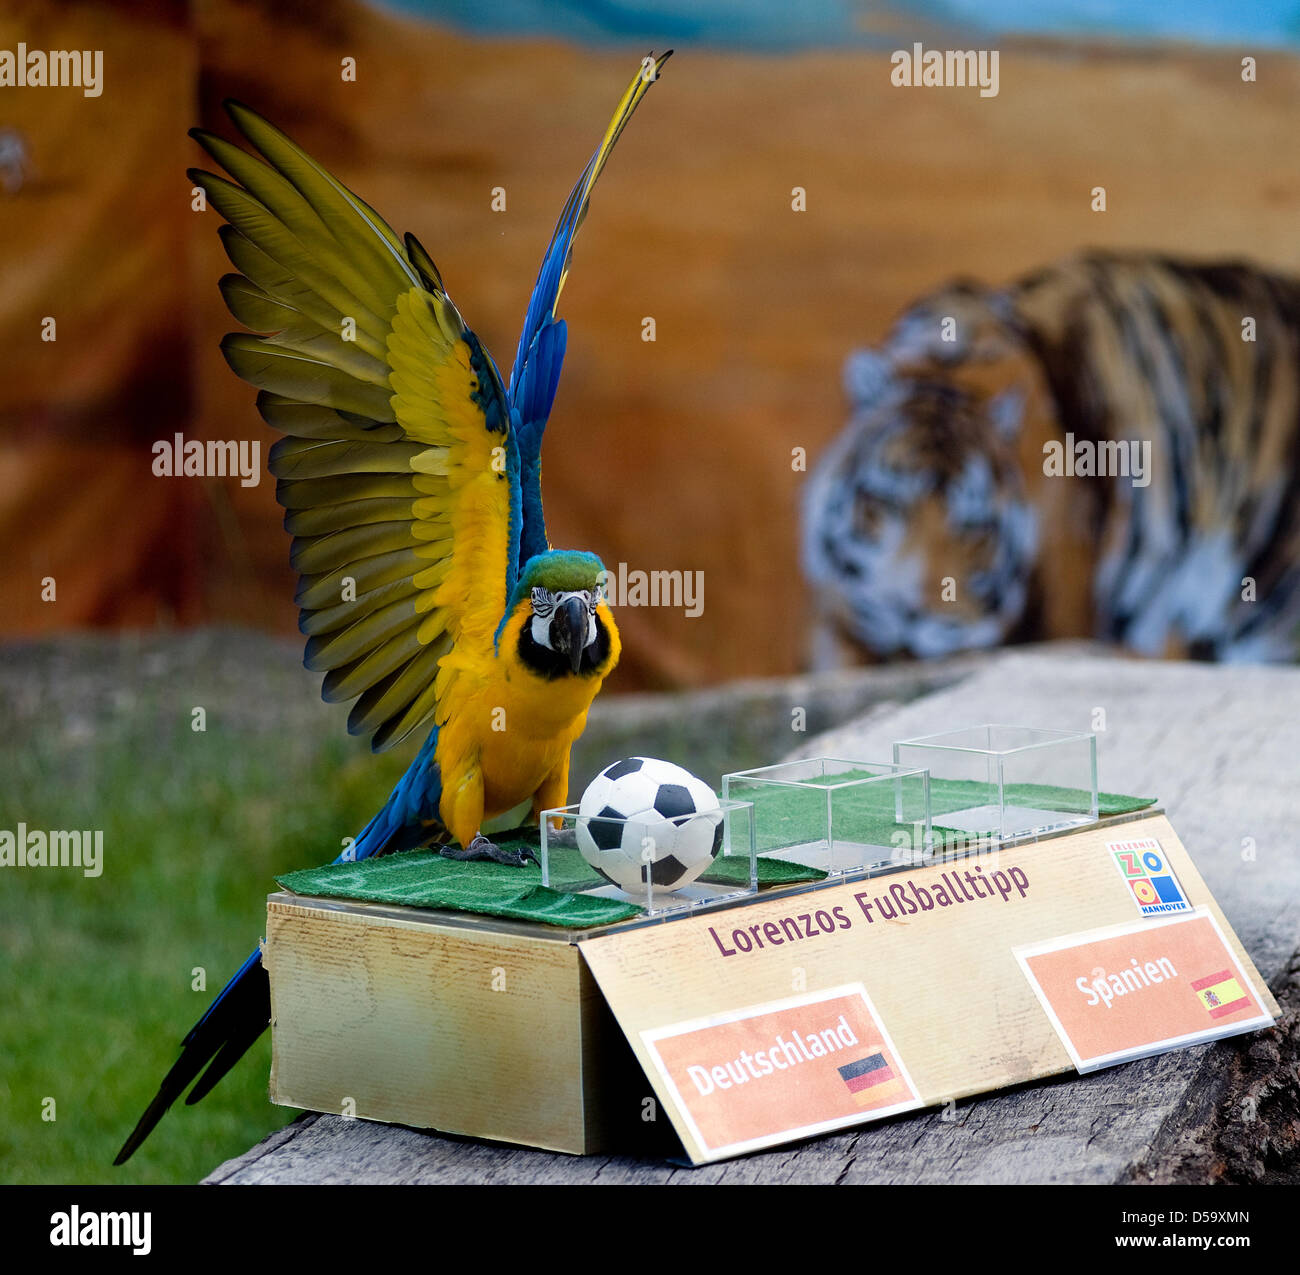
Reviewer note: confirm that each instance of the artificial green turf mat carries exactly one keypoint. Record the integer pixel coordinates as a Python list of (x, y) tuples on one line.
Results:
[(864, 813), (1033, 795), (787, 815), (734, 870), (424, 879)]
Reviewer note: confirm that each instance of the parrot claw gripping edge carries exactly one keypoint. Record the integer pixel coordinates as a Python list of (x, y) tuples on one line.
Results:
[(482, 848)]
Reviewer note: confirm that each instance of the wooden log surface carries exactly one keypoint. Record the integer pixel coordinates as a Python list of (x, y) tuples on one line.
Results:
[(1218, 746)]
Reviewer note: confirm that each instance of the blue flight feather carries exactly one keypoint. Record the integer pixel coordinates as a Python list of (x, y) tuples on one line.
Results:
[(241, 1011), (540, 354)]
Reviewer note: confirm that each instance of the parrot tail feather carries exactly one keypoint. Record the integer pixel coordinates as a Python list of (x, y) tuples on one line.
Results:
[(242, 1012), (217, 1041)]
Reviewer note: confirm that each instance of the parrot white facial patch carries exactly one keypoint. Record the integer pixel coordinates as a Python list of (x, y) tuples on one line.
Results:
[(544, 607)]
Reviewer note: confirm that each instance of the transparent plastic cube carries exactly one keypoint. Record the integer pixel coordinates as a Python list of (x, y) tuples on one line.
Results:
[(838, 815), (619, 858), (1005, 782)]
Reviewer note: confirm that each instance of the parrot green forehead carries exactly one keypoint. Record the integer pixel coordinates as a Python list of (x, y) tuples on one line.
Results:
[(560, 571)]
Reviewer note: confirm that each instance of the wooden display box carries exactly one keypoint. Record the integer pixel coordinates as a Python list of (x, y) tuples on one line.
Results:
[(440, 1020), (503, 1030)]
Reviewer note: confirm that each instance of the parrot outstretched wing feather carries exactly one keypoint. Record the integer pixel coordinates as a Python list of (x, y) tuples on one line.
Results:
[(399, 465), (408, 474), (536, 372)]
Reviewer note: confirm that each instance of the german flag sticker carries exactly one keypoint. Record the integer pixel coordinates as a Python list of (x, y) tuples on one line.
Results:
[(871, 1079)]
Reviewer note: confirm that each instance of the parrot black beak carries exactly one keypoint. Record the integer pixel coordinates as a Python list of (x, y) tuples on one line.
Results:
[(569, 631)]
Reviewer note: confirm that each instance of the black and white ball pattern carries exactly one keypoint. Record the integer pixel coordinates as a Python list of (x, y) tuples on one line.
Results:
[(643, 819)]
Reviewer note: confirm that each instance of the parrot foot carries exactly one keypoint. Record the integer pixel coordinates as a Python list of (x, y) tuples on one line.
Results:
[(482, 848)]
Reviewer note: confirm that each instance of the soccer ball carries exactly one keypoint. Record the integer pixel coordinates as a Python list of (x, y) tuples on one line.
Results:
[(643, 819)]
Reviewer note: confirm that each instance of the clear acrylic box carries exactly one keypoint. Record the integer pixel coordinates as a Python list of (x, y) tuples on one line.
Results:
[(838, 815), (1004, 782), (721, 843)]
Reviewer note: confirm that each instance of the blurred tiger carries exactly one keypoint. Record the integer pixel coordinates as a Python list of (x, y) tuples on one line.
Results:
[(945, 516)]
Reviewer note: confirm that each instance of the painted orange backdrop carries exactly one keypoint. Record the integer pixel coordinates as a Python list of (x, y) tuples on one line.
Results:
[(675, 454)]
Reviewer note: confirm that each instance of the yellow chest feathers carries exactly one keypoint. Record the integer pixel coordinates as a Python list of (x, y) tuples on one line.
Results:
[(515, 715), (506, 695), (537, 687)]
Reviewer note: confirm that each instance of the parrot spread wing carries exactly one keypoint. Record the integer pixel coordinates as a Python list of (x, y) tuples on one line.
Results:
[(410, 482), (536, 372), (399, 469)]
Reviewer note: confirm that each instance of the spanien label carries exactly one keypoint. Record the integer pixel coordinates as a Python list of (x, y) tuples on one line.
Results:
[(786, 1069), (1132, 990)]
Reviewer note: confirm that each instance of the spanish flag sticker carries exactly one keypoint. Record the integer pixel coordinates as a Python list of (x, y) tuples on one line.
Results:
[(1221, 994)]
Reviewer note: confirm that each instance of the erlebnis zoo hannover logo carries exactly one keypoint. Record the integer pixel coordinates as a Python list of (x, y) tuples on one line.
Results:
[(24, 68)]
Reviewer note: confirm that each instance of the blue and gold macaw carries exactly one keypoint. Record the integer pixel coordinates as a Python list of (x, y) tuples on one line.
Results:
[(410, 478)]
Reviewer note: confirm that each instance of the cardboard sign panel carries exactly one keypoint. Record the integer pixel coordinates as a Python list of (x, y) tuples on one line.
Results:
[(1143, 988), (768, 1073), (914, 973)]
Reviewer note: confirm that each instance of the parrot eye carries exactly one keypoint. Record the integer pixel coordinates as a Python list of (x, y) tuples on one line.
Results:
[(543, 602), (594, 599)]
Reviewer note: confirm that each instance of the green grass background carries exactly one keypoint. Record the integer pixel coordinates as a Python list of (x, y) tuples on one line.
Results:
[(96, 991)]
